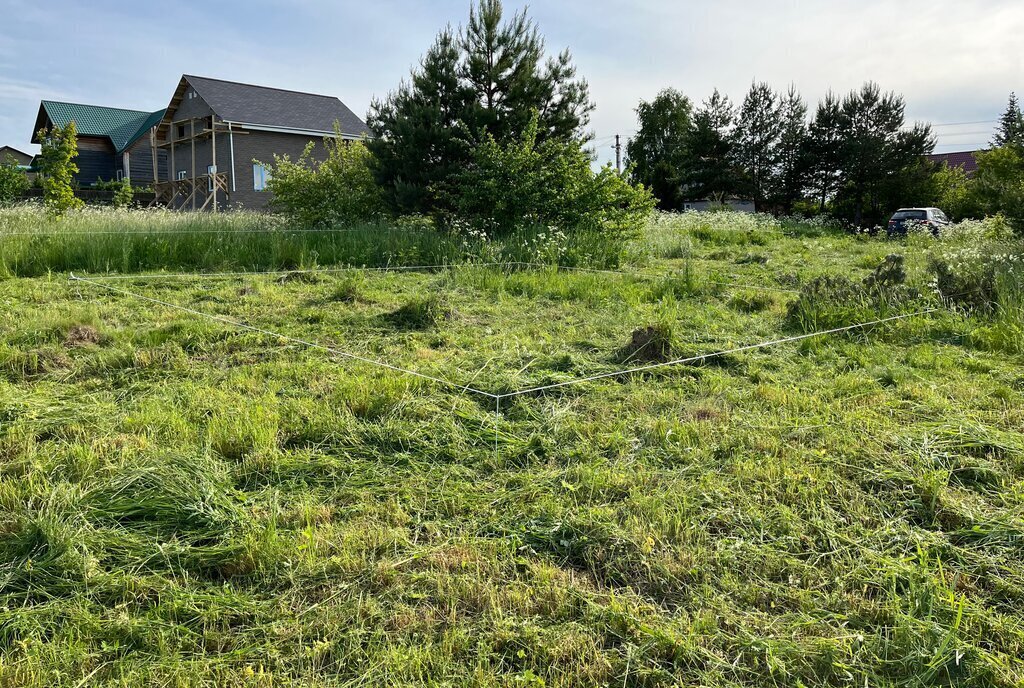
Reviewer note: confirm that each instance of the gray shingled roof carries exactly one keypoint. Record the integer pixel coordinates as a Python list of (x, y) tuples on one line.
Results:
[(274, 107)]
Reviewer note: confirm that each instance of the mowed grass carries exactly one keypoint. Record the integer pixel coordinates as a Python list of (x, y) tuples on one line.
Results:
[(185, 503)]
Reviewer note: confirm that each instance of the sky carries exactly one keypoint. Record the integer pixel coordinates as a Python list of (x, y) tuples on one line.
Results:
[(955, 61)]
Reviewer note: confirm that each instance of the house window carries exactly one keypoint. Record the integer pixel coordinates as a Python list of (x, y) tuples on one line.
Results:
[(181, 131), (182, 174), (120, 175), (211, 170), (260, 177)]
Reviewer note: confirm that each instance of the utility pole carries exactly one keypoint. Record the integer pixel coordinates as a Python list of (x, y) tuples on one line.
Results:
[(618, 154)]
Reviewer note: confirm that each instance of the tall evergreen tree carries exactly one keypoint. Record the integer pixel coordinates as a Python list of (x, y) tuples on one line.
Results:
[(427, 115), (489, 78), (792, 172), (710, 172), (877, 151), (756, 149), (657, 154), (824, 150), (1011, 126)]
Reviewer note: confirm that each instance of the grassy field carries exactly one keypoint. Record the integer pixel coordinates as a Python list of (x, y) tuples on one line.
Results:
[(185, 503)]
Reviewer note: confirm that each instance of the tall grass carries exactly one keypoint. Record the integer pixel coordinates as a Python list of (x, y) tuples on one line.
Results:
[(978, 268), (106, 240), (101, 241)]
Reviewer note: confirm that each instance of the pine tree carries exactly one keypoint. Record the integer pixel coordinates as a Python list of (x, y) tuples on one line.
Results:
[(657, 154), (489, 78), (758, 128), (421, 139), (709, 171), (823, 150), (876, 152), (1011, 126), (791, 174)]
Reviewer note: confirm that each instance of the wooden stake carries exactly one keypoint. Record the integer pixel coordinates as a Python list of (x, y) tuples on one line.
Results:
[(192, 131), (213, 145), (156, 153)]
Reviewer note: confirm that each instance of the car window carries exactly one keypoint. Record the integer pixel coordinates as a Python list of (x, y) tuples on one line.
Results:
[(941, 216), (911, 215)]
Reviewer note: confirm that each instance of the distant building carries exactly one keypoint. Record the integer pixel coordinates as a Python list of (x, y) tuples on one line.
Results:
[(112, 142), (21, 158), (215, 131), (201, 151), (965, 160)]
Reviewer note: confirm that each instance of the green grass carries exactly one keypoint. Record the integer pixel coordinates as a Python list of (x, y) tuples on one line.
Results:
[(187, 504)]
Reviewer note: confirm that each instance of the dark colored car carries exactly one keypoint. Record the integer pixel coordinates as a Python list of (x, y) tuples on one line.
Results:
[(905, 218)]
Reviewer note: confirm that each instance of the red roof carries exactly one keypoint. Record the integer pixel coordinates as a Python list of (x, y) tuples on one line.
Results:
[(964, 160)]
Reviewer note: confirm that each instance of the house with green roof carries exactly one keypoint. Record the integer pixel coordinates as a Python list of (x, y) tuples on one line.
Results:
[(209, 148), (113, 143)]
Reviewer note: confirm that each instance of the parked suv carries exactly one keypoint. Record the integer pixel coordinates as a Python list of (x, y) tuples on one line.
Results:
[(904, 218)]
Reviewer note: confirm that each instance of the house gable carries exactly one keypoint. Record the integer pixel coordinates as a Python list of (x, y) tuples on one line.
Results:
[(21, 158)]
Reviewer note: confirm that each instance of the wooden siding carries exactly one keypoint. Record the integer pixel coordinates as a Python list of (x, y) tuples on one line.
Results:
[(140, 160), (96, 160)]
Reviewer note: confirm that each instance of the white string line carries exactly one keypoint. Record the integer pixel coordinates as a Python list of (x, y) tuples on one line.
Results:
[(703, 357), (294, 340), (654, 275), (172, 232), (499, 397), (411, 268), (309, 271)]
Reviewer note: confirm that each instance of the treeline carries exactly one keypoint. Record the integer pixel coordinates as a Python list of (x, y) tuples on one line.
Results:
[(855, 157)]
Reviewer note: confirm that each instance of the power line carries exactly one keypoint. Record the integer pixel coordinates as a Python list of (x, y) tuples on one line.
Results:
[(961, 124), (967, 133)]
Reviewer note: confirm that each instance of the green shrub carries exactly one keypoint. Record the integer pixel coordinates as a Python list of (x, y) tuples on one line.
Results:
[(833, 301), (974, 261), (338, 191), (535, 183), (999, 184), (954, 193), (13, 182), (123, 194), (57, 167)]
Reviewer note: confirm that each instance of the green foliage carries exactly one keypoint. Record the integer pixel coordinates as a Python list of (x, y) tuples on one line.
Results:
[(487, 79), (1010, 131), (955, 193), (710, 172), (757, 145), (117, 184), (978, 269), (123, 194), (882, 163), (59, 148), (99, 240), (832, 301), (856, 156), (546, 183), (824, 150), (339, 191), (792, 171), (658, 151), (999, 183), (13, 182), (420, 313)]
